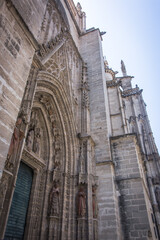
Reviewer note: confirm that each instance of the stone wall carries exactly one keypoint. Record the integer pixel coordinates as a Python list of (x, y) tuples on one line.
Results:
[(115, 111), (109, 219), (90, 49), (73, 82), (135, 216), (32, 13), (15, 60)]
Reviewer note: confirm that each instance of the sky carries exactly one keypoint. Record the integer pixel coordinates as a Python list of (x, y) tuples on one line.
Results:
[(133, 35)]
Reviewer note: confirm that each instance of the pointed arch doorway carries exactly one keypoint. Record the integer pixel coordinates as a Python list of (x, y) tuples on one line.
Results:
[(18, 211)]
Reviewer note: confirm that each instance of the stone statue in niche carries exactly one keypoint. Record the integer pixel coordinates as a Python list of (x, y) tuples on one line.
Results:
[(36, 144), (34, 120), (81, 202), (30, 139), (15, 141), (56, 23), (54, 200), (34, 135), (157, 193), (3, 190), (94, 202)]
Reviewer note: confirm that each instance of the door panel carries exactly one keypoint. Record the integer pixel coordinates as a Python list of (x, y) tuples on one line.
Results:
[(18, 212)]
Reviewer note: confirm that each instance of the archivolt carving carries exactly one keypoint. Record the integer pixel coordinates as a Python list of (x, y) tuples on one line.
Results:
[(66, 66), (54, 100), (55, 129), (60, 100)]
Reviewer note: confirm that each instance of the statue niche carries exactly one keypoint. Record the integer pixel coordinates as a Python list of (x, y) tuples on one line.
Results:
[(81, 202)]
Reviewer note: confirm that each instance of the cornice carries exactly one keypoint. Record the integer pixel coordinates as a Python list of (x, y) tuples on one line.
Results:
[(121, 78), (132, 91)]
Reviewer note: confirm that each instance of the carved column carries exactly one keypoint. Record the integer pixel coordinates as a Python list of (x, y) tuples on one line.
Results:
[(87, 184), (87, 223), (82, 193), (85, 118), (16, 146)]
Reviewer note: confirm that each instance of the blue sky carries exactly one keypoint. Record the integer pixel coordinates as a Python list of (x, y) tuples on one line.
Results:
[(133, 34)]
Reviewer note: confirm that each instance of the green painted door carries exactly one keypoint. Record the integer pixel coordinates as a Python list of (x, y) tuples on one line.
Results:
[(18, 212)]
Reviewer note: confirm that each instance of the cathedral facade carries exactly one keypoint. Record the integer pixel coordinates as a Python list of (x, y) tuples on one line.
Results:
[(77, 155)]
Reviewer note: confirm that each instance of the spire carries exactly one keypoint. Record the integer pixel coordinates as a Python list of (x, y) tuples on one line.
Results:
[(123, 68)]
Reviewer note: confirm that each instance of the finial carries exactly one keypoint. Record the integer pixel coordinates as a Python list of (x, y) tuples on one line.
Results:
[(123, 68), (79, 8)]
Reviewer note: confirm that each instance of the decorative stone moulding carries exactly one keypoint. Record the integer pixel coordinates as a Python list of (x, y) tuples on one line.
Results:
[(95, 181), (52, 44), (109, 70), (82, 179), (57, 176), (113, 83), (32, 159)]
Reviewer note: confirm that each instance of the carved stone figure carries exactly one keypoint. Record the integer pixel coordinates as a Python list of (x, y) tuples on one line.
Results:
[(54, 200), (123, 68), (81, 202), (36, 144), (15, 140), (30, 138), (157, 193), (56, 165), (94, 202)]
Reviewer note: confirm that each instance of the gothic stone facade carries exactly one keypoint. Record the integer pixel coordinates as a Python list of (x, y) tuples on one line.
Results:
[(77, 155)]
